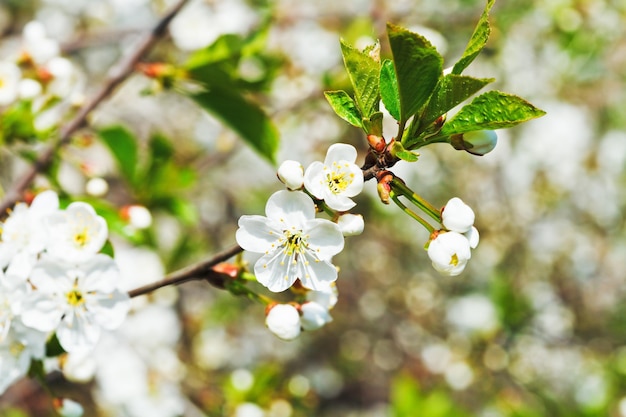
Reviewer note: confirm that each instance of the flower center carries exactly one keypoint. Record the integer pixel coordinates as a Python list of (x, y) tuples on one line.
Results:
[(454, 260), (81, 238), (338, 179), (75, 297), (16, 348), (295, 242)]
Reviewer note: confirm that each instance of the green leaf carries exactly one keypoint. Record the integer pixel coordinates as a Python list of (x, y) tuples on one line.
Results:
[(226, 47), (389, 89), (451, 91), (363, 71), (344, 106), (492, 110), (123, 146), (477, 42), (418, 68), (244, 117)]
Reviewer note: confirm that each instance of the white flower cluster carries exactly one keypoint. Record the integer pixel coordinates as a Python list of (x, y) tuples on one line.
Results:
[(295, 245), (40, 75), (53, 280), (450, 249)]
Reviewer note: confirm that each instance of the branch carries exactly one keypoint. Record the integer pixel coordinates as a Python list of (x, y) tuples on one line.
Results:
[(117, 74), (200, 271)]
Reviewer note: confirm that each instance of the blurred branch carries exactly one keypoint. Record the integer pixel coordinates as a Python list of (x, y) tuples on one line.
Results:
[(200, 271), (117, 74), (98, 39)]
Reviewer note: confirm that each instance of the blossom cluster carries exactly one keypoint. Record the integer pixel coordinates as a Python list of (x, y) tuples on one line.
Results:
[(450, 249), (37, 74), (295, 245), (54, 281)]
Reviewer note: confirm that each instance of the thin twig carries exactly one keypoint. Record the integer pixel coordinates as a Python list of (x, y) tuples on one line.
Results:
[(117, 74), (200, 271)]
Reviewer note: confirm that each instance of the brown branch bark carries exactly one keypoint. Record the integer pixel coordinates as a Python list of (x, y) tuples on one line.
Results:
[(117, 74), (200, 271)]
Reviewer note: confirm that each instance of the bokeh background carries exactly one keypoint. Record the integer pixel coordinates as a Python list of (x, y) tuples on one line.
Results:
[(535, 326)]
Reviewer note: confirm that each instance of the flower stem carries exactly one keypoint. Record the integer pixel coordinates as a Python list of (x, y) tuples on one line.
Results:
[(397, 185), (239, 288), (410, 212)]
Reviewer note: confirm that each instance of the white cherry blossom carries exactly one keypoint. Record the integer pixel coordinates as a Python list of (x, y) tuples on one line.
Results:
[(294, 244), (10, 76), (23, 234), (20, 345), (75, 301), (76, 233), (336, 179), (284, 321), (449, 253), (457, 216)]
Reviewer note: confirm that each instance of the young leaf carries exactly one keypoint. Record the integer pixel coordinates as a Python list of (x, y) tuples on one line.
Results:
[(398, 150), (123, 146), (374, 125), (363, 71), (418, 68), (244, 117), (450, 92), (477, 42), (344, 106), (492, 110), (389, 89)]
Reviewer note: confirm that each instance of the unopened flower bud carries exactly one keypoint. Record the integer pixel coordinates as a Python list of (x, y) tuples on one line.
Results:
[(314, 316), (291, 173), (138, 216), (449, 253), (351, 224), (284, 321), (377, 143), (67, 408), (479, 142), (384, 188), (97, 187), (457, 216)]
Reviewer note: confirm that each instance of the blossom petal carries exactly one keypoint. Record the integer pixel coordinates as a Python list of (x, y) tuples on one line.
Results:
[(275, 271), (76, 332), (317, 273), (289, 207), (101, 274), (41, 312), (256, 235), (44, 203), (109, 310), (339, 202), (339, 152), (314, 180), (356, 185), (324, 238)]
